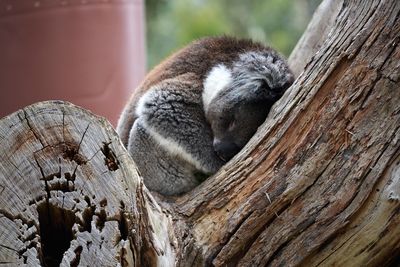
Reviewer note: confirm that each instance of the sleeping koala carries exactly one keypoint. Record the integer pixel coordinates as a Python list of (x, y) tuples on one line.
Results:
[(198, 108)]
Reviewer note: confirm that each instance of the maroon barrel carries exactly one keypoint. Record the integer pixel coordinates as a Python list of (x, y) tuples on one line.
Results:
[(88, 52)]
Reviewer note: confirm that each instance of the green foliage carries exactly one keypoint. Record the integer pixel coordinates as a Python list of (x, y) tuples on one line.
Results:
[(172, 24)]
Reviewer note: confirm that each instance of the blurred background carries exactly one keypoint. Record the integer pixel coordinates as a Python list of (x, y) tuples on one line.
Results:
[(171, 24), (93, 53)]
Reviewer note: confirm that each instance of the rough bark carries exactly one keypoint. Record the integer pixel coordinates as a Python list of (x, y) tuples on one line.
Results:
[(318, 185), (315, 35)]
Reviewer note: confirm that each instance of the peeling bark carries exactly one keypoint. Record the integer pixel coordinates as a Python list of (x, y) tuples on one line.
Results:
[(316, 33), (318, 185)]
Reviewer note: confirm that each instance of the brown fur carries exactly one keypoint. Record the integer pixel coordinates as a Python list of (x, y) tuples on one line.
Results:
[(197, 58)]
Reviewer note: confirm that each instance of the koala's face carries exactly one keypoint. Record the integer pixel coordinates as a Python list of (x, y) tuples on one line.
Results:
[(234, 125), (241, 98)]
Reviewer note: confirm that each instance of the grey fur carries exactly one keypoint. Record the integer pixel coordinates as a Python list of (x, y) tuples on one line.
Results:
[(251, 71), (259, 79), (172, 139)]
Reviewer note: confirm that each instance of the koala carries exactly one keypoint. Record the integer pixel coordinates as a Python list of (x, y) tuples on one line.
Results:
[(198, 108)]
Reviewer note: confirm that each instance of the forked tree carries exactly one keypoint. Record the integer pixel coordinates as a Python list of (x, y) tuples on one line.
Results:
[(318, 185)]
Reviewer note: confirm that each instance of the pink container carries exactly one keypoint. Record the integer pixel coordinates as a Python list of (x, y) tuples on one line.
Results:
[(88, 52)]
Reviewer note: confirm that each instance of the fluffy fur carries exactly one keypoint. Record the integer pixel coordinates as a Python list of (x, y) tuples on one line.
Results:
[(216, 80), (198, 108)]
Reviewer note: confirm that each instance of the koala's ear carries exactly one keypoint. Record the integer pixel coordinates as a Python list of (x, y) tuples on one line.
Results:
[(255, 91)]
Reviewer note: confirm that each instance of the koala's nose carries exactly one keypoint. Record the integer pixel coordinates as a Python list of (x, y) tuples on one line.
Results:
[(225, 149)]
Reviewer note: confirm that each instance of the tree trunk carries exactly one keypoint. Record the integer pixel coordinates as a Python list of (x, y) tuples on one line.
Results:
[(315, 35), (319, 184)]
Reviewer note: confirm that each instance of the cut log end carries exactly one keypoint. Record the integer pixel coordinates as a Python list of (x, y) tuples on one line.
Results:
[(65, 197)]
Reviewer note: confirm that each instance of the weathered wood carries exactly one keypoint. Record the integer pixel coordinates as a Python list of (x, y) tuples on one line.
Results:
[(69, 193), (318, 185), (316, 33)]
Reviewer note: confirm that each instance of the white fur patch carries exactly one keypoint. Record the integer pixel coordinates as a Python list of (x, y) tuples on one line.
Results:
[(217, 79), (173, 148)]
